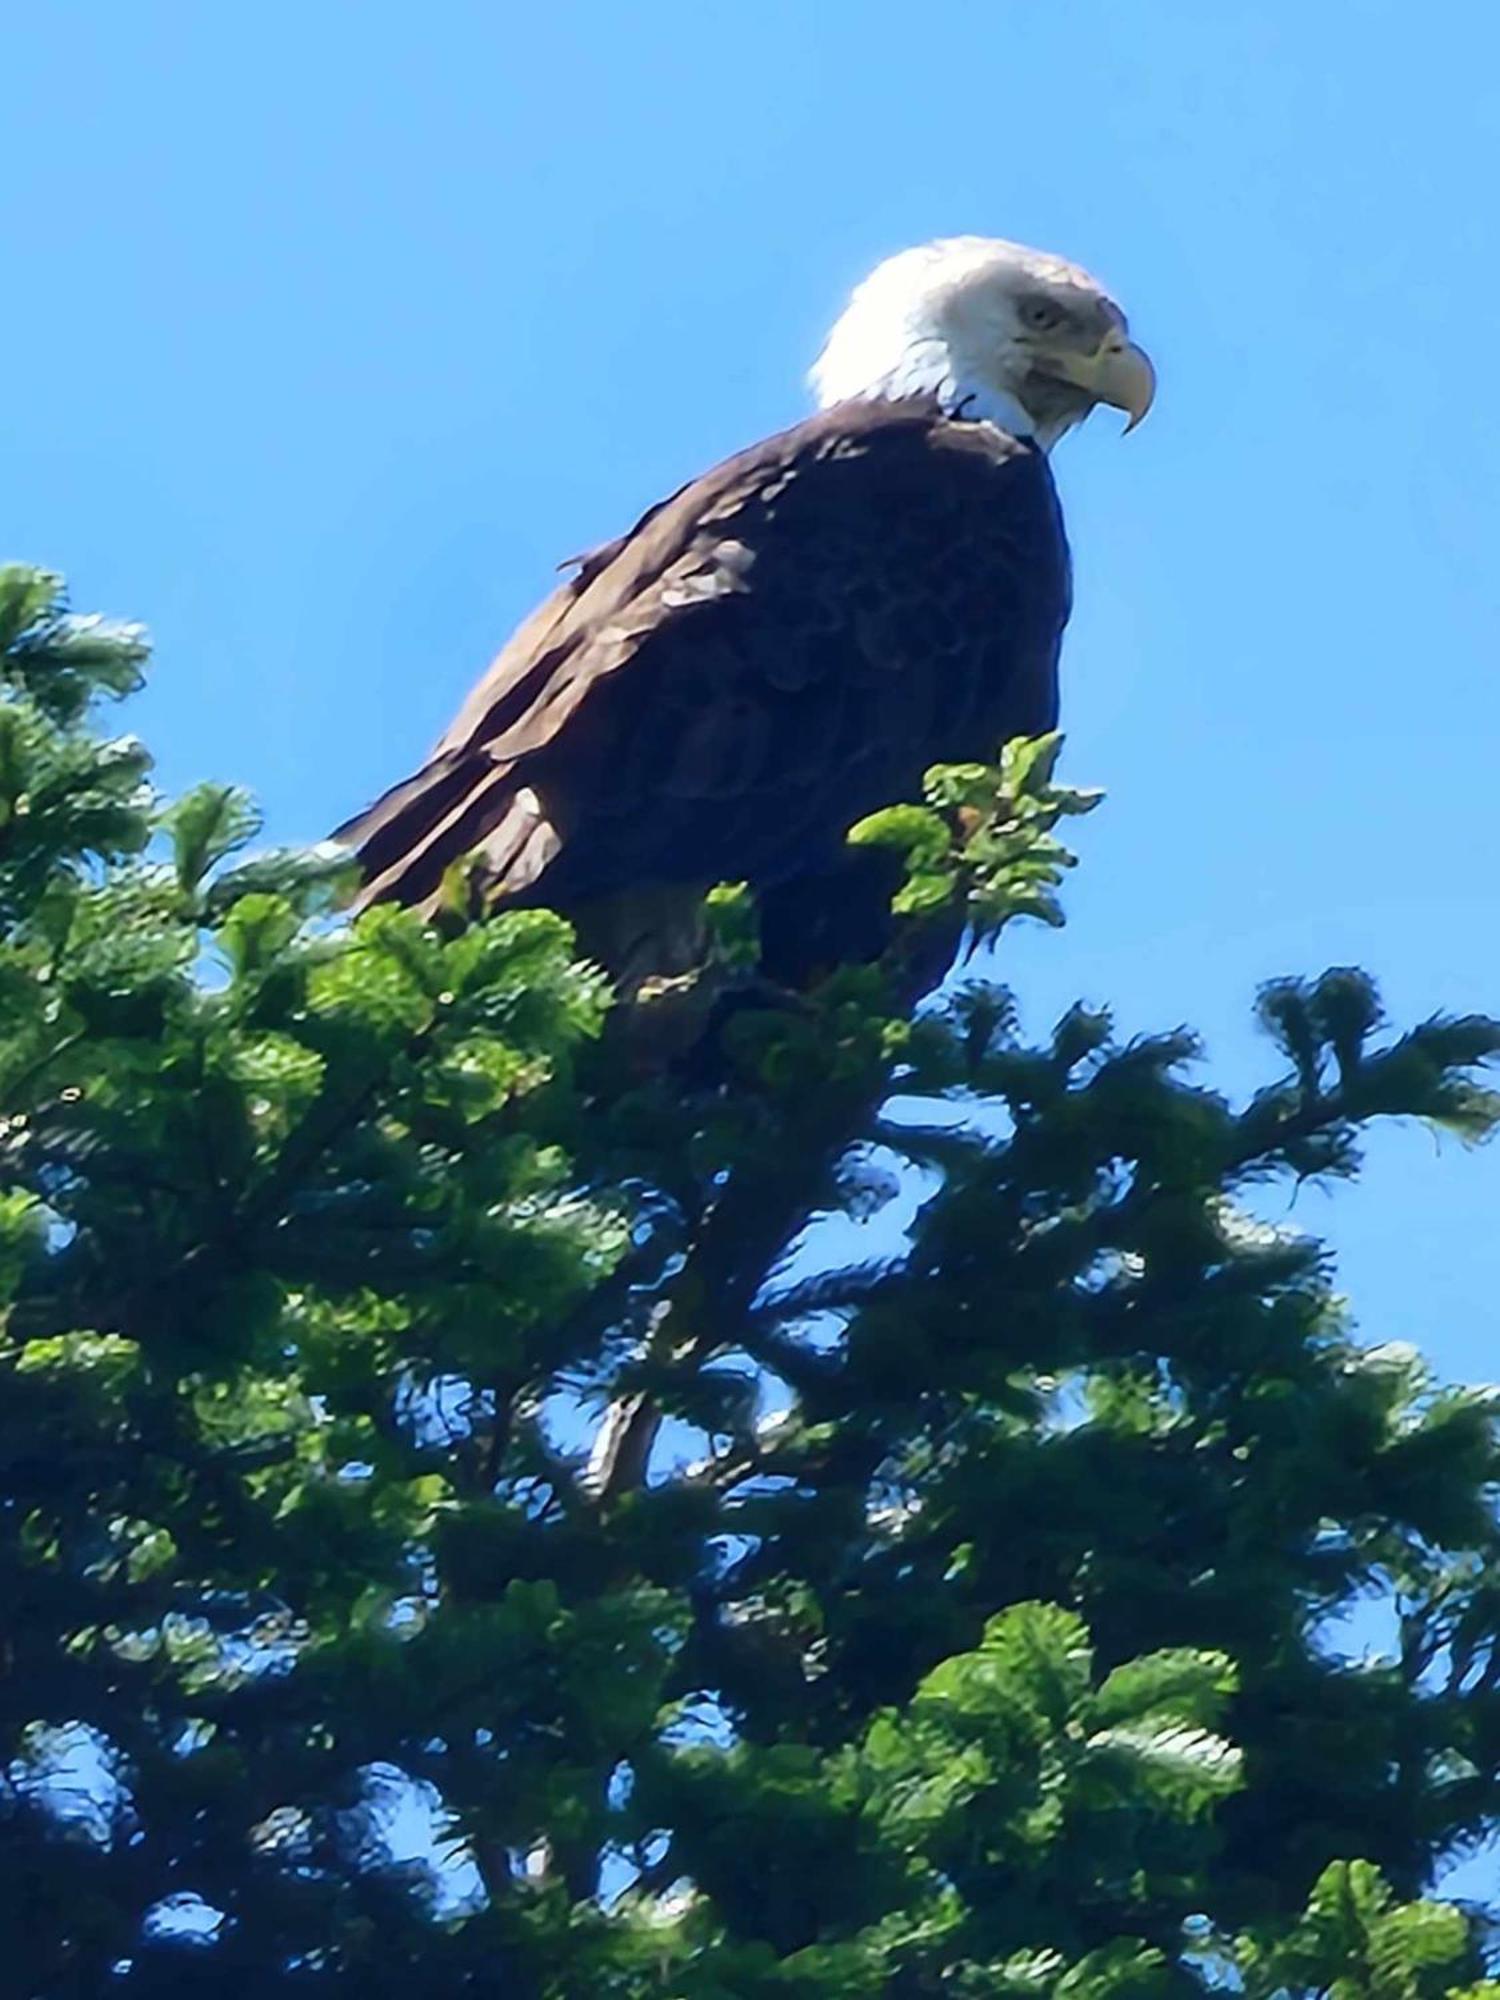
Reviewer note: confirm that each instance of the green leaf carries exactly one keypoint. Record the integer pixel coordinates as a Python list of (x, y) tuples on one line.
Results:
[(311, 880), (1027, 763), (913, 831), (255, 930), (1189, 1686), (1045, 1655), (929, 889), (1123, 1970), (206, 825), (1351, 1896), (1196, 1761), (733, 925), (481, 1073), (59, 661), (1418, 1937)]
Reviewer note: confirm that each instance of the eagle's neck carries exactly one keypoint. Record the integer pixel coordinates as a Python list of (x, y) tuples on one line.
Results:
[(916, 360)]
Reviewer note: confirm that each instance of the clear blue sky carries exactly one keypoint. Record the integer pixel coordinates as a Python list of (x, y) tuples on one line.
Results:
[(331, 328)]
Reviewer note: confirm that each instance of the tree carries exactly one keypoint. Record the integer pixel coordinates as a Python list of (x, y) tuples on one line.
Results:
[(467, 1528)]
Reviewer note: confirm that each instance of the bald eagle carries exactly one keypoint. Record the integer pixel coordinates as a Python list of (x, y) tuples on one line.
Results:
[(787, 643)]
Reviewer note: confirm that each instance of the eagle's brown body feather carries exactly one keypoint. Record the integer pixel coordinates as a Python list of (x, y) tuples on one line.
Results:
[(780, 648)]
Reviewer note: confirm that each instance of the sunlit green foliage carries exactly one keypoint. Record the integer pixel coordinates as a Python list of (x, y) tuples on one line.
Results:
[(480, 1517), (984, 839)]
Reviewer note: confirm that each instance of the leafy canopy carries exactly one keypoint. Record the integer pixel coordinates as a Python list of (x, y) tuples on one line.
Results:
[(485, 1516)]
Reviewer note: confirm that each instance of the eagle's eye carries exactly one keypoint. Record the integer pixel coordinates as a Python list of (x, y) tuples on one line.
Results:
[(1040, 315)]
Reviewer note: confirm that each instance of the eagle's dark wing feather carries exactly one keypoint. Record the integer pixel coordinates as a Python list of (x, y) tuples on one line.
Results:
[(780, 648)]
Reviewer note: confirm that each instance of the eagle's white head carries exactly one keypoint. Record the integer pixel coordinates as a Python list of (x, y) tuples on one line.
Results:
[(992, 330)]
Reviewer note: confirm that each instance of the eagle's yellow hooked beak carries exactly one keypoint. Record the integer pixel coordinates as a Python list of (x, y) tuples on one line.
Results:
[(1119, 373)]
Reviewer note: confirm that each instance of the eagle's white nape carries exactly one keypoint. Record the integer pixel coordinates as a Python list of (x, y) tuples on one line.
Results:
[(940, 320)]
